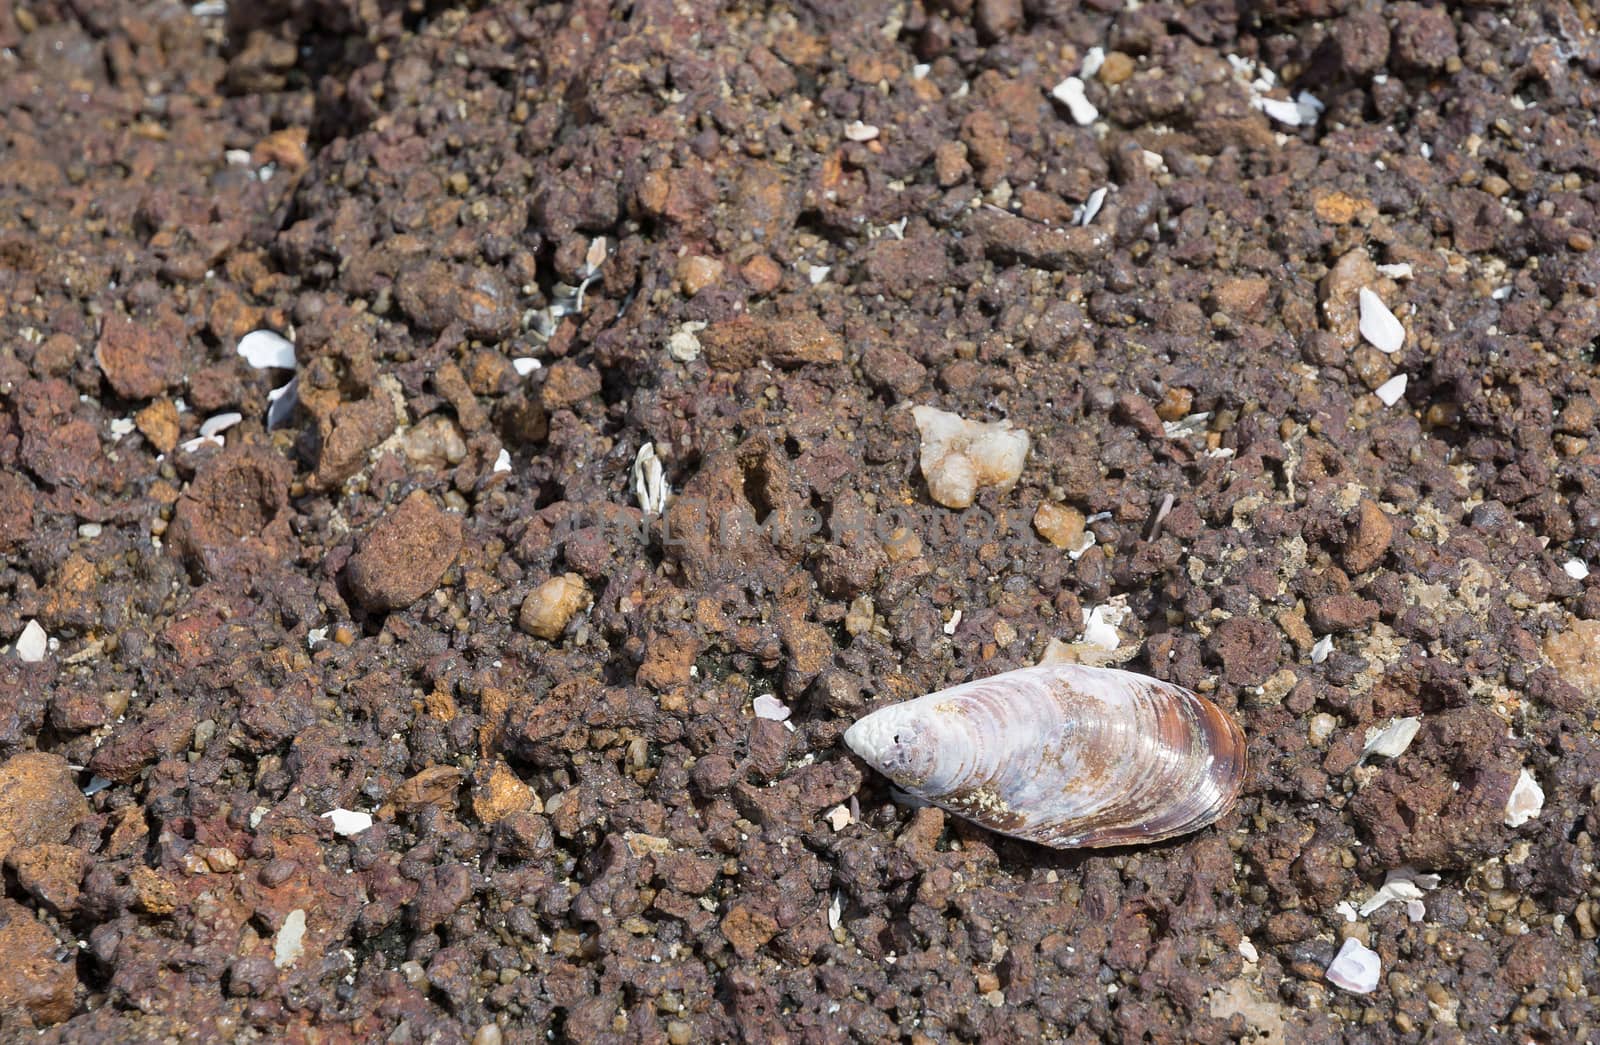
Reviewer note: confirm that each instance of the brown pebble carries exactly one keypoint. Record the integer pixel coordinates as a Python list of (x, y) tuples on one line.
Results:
[(1175, 404), (762, 274), (39, 974), (1370, 534), (141, 358), (1060, 525), (405, 555), (158, 423), (697, 272), (1116, 68)]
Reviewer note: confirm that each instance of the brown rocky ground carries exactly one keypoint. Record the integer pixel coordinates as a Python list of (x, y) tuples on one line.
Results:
[(545, 698)]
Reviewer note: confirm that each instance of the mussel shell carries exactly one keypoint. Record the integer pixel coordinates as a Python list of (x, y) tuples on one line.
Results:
[(1064, 755)]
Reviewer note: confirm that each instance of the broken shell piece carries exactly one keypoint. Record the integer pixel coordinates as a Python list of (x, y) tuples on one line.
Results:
[(771, 708), (1356, 968), (1069, 92), (1577, 569), (525, 365), (649, 481), (348, 821), (502, 461), (857, 131), (32, 644), (219, 423), (289, 944), (1526, 800), (1402, 884), (1320, 651), (1392, 740), (959, 456), (1100, 626), (267, 350), (281, 403), (1392, 390), (1063, 755), (1378, 325)]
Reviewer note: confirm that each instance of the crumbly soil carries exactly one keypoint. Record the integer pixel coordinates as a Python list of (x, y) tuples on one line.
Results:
[(431, 594)]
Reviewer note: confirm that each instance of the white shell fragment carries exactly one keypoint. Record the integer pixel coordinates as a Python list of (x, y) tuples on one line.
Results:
[(219, 423), (1356, 968), (1091, 207), (769, 707), (1093, 59), (1378, 325), (1069, 92), (1392, 390), (32, 644), (289, 944), (267, 350), (348, 821), (502, 461), (857, 131), (1400, 270), (1577, 569), (525, 365), (1526, 800), (1063, 754), (1391, 740), (960, 456), (1320, 651), (1100, 626), (281, 402), (1400, 885), (649, 481)]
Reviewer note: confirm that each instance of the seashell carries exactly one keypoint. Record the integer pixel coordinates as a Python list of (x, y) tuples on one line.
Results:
[(1063, 754)]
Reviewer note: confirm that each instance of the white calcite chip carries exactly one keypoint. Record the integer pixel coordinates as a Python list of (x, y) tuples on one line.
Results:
[(32, 644), (1069, 92), (1282, 110), (857, 131), (290, 943), (839, 818), (1378, 325), (525, 365), (1577, 569), (1526, 801), (1401, 885), (1392, 390), (1400, 270), (960, 456), (1356, 968), (267, 350), (1391, 740), (771, 708), (502, 461), (348, 821), (1093, 59), (1091, 207)]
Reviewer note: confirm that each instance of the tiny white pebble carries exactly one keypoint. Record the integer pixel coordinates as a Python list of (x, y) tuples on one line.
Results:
[(839, 818), (1247, 950), (525, 366), (818, 273), (1069, 92), (1392, 390), (1397, 271), (857, 131), (502, 463), (1092, 61), (1577, 569), (289, 944), (1378, 325), (1090, 207), (316, 635), (89, 530), (32, 644), (953, 623), (121, 426), (267, 349)]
